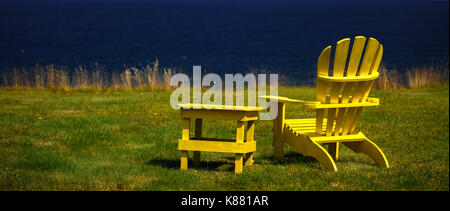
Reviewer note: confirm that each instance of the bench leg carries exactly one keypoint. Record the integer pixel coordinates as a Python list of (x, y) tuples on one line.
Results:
[(238, 163), (196, 158), (239, 139), (184, 160), (250, 138), (185, 136), (198, 135)]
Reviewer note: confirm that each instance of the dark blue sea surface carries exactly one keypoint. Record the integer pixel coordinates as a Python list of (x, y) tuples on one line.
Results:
[(280, 36)]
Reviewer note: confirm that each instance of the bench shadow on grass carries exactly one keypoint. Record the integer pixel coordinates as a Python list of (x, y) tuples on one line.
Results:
[(226, 163)]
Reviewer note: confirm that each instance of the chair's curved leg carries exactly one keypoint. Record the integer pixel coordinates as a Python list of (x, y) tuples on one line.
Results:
[(316, 151), (305, 146), (369, 148)]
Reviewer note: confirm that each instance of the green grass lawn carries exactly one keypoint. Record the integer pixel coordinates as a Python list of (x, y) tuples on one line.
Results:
[(128, 141)]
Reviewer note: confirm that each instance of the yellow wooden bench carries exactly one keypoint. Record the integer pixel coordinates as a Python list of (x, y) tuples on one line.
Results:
[(342, 93), (240, 146)]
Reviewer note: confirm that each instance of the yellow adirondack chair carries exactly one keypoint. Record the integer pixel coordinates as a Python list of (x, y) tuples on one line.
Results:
[(341, 97)]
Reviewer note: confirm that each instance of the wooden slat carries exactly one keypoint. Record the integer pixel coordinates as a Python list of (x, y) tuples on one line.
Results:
[(219, 114), (323, 66), (369, 55), (216, 146), (305, 127), (355, 121), (350, 117), (331, 119), (367, 88), (362, 89), (322, 139), (219, 107), (376, 63), (343, 112), (301, 120), (340, 60), (339, 121), (349, 78), (340, 57), (355, 57), (348, 120), (353, 65)]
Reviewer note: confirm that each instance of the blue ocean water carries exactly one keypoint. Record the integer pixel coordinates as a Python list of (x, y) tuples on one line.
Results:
[(280, 36)]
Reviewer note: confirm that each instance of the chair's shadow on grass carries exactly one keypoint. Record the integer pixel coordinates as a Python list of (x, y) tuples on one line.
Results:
[(290, 158), (226, 164), (297, 158)]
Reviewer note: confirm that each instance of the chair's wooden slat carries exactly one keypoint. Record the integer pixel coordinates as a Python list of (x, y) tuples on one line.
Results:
[(323, 66), (331, 112), (355, 57), (352, 69), (374, 68), (348, 120), (372, 59), (339, 121), (369, 55), (377, 61), (323, 63), (343, 112), (340, 59)]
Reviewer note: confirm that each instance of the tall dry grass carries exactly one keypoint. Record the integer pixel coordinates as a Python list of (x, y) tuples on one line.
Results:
[(152, 77), (412, 78), (50, 76)]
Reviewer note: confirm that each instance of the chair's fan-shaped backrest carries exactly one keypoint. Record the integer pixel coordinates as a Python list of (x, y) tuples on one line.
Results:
[(348, 80)]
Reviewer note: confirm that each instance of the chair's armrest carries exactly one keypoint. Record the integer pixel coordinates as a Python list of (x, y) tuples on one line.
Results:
[(289, 100), (369, 102), (318, 105)]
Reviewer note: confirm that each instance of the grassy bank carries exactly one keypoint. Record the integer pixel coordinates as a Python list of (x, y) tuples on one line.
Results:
[(128, 141)]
